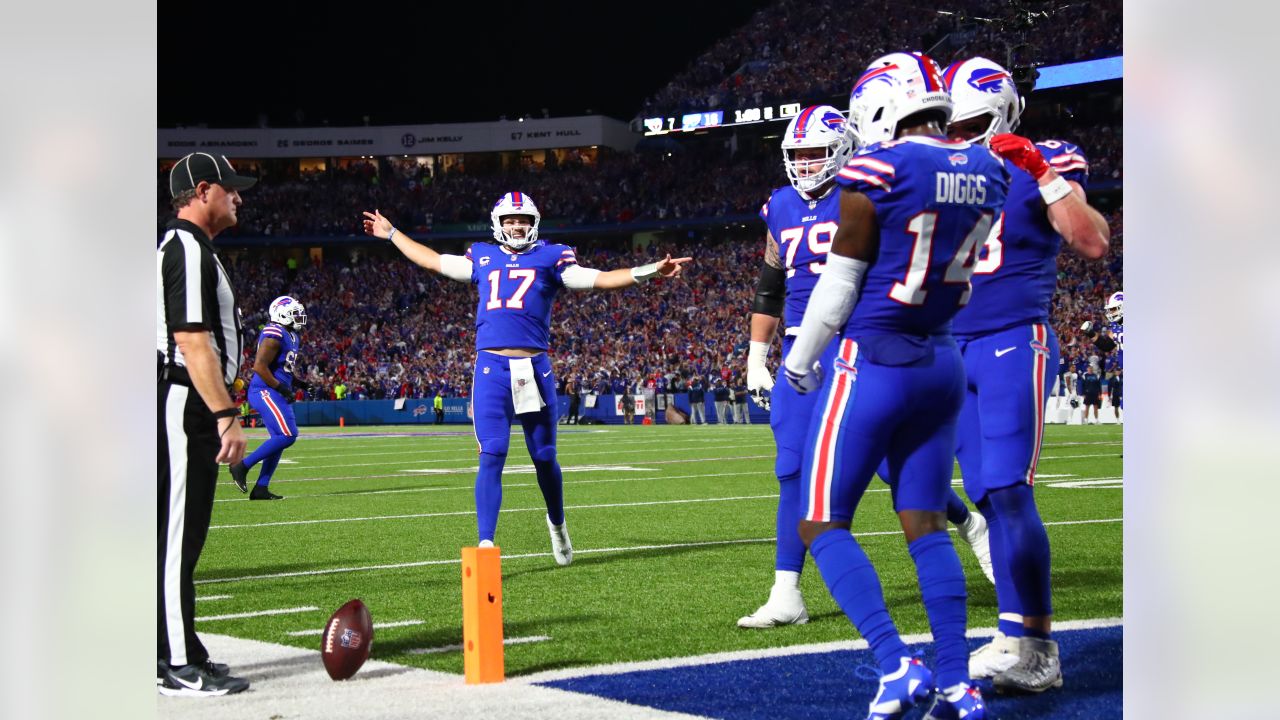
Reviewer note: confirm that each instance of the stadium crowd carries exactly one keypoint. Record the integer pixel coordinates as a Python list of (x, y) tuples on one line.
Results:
[(807, 50), (621, 188), (379, 327)]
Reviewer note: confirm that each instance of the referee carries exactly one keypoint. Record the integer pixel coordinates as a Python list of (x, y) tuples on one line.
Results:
[(199, 352)]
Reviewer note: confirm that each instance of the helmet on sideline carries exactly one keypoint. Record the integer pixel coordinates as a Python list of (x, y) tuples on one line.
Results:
[(1114, 309), (288, 312)]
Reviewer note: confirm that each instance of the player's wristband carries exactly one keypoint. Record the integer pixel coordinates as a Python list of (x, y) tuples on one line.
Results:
[(643, 273), (1055, 190), (758, 352), (391, 234), (227, 413)]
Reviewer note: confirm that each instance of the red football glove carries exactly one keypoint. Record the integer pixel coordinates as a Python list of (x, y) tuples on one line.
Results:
[(1021, 152)]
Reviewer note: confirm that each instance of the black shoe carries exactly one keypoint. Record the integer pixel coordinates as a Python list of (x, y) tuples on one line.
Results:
[(261, 493), (218, 670), (200, 680), (240, 474)]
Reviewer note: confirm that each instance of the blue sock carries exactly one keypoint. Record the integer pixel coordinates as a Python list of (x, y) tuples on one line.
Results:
[(489, 494), (268, 453), (942, 588), (1007, 603), (268, 469), (790, 552), (551, 482), (856, 589), (1027, 547), (957, 511)]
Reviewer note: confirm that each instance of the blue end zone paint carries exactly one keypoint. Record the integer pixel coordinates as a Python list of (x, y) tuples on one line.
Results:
[(841, 684)]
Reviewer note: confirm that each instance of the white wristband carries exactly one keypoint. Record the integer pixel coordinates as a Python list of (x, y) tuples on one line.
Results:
[(758, 352), (643, 273), (1055, 190), (391, 234)]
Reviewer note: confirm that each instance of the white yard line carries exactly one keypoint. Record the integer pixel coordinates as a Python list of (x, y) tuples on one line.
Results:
[(376, 626), (577, 551), (457, 647), (258, 613), (540, 508), (207, 598)]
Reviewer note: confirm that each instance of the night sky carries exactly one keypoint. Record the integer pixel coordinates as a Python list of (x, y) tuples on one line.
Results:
[(308, 64)]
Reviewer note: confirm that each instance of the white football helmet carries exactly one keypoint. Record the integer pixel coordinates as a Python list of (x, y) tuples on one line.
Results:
[(1114, 309), (819, 126), (892, 88), (288, 312), (978, 87), (515, 203)]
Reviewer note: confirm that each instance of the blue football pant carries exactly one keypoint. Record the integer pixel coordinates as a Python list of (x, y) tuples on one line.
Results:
[(277, 416), (999, 438), (789, 416), (493, 412)]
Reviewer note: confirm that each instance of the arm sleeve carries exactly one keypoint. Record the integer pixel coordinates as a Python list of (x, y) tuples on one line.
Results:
[(576, 277), (456, 267), (771, 290), (829, 308)]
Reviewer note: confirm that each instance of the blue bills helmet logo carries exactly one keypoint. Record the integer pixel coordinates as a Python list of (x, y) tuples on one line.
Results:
[(835, 121), (1039, 348), (350, 639), (987, 80), (957, 159)]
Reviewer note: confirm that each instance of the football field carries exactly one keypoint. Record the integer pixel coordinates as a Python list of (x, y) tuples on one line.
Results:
[(672, 528)]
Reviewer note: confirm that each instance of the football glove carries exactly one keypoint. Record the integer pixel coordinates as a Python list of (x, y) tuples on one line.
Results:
[(759, 381), (286, 392), (1021, 152), (808, 382)]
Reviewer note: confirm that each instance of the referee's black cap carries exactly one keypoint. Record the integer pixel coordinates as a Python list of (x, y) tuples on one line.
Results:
[(191, 169)]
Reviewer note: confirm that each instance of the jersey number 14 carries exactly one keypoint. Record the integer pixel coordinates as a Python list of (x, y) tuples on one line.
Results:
[(911, 290)]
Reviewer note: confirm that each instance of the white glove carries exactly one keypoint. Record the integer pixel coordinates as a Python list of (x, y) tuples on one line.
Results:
[(807, 382), (759, 381)]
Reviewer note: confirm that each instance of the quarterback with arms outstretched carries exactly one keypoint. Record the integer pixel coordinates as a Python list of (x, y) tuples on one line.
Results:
[(518, 276), (1009, 348)]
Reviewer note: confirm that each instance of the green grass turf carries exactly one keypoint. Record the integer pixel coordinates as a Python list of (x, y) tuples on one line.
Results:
[(711, 485)]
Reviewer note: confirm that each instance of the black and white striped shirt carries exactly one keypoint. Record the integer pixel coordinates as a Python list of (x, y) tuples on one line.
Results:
[(193, 290)]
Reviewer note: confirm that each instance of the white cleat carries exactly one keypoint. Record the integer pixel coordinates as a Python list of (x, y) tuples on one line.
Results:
[(994, 658), (785, 607), (485, 544), (561, 548), (974, 532), (1038, 668)]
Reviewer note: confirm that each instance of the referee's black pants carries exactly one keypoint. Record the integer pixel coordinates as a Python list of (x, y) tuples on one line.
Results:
[(188, 474)]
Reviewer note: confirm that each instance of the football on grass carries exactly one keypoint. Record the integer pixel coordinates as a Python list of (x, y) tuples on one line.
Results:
[(346, 641)]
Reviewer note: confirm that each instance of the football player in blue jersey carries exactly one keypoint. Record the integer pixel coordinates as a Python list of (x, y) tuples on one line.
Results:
[(1110, 338), (271, 393), (1009, 349), (518, 276), (914, 211), (801, 221)]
